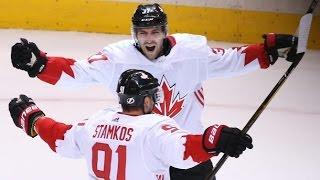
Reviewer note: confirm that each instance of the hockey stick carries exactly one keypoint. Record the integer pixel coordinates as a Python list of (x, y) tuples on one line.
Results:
[(301, 48)]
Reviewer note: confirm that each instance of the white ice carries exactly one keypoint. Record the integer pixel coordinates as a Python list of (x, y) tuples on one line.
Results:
[(286, 136)]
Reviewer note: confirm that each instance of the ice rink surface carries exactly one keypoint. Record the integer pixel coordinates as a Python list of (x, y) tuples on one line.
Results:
[(286, 136)]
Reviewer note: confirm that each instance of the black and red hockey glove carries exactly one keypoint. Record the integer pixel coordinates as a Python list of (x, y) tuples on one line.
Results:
[(24, 113), (27, 56), (281, 45), (221, 138)]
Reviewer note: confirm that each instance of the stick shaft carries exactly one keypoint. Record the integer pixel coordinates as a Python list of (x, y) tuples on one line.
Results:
[(265, 103)]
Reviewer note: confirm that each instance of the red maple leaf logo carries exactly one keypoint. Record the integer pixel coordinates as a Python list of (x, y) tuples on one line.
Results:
[(171, 104)]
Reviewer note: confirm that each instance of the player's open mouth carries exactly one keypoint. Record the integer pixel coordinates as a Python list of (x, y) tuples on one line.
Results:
[(150, 48)]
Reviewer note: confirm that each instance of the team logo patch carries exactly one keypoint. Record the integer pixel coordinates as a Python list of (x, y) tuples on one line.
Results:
[(172, 103), (130, 100)]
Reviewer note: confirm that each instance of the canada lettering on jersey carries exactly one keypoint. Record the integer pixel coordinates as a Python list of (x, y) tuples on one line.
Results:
[(115, 132)]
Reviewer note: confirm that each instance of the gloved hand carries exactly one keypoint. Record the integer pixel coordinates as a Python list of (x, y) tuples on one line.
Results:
[(281, 45), (26, 56), (221, 138), (24, 113)]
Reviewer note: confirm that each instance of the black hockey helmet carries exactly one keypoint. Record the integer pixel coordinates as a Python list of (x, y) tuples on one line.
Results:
[(149, 15), (134, 85)]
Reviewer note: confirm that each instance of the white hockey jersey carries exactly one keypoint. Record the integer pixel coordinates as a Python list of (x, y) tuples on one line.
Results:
[(181, 73), (123, 147)]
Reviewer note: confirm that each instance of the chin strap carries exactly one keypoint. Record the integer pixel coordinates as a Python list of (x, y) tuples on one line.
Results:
[(166, 46)]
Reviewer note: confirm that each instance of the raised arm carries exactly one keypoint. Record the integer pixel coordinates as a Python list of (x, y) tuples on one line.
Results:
[(60, 71), (27, 116), (239, 60)]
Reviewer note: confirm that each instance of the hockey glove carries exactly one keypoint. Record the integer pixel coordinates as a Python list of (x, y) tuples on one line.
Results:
[(230, 141), (281, 45), (26, 56), (24, 113)]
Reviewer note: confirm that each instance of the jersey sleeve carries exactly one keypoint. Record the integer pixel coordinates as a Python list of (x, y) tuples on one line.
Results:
[(66, 72), (176, 147), (60, 137), (210, 62), (235, 61)]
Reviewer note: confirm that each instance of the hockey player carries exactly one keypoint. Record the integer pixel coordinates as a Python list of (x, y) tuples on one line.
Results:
[(134, 143), (180, 61)]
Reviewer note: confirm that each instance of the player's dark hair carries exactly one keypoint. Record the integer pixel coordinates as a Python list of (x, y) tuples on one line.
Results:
[(129, 108)]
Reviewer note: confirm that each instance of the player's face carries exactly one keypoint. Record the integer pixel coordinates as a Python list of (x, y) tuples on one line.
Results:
[(148, 105), (151, 41)]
